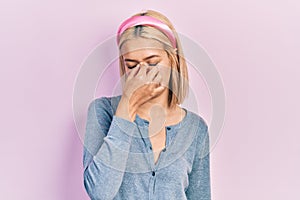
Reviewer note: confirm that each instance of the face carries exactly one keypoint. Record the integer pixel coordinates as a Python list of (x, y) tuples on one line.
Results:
[(149, 52)]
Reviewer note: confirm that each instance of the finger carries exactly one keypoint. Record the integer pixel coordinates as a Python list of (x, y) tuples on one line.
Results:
[(157, 78), (157, 91), (143, 70), (134, 71), (152, 73)]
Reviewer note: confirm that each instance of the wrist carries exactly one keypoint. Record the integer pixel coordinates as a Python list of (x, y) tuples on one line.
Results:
[(126, 109), (132, 103)]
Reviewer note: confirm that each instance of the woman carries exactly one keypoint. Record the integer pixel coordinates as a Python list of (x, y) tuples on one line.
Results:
[(142, 144)]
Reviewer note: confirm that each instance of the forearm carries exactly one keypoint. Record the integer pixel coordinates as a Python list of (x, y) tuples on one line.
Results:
[(103, 173), (106, 146)]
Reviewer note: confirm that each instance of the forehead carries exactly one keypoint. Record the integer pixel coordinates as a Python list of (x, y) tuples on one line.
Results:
[(141, 47)]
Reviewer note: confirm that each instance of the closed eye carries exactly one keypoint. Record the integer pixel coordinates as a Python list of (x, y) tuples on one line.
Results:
[(153, 64), (150, 64), (131, 67)]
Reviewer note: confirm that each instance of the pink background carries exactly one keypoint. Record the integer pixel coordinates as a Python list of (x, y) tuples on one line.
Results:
[(254, 44)]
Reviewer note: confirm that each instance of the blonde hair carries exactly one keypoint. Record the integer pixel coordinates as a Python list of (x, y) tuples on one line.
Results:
[(178, 83)]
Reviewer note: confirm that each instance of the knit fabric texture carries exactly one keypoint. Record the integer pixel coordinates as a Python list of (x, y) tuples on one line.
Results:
[(119, 163)]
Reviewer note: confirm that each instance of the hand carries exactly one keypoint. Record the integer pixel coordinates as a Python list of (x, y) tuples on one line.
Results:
[(142, 84)]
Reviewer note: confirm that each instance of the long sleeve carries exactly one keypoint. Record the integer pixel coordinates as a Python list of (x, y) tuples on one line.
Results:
[(199, 177), (106, 147)]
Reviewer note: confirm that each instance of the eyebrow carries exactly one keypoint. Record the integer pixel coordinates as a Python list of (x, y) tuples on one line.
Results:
[(147, 58)]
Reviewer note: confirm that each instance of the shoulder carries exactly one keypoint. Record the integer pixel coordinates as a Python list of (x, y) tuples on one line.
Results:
[(202, 135), (105, 103), (197, 122), (103, 107)]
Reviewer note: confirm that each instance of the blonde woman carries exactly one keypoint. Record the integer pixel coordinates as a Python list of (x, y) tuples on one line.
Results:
[(143, 144)]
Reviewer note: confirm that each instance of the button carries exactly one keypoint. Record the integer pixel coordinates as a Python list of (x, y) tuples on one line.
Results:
[(153, 173), (168, 128), (150, 147), (164, 150)]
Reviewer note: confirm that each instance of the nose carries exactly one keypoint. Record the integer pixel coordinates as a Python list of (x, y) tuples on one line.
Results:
[(142, 63)]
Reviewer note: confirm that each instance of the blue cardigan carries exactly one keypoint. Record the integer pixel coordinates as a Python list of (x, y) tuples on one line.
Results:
[(119, 163)]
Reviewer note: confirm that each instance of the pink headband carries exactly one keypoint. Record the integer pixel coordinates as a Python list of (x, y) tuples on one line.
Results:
[(146, 20)]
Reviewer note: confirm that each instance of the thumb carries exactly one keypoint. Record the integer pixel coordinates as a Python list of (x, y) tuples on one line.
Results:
[(159, 89)]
